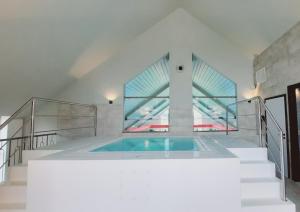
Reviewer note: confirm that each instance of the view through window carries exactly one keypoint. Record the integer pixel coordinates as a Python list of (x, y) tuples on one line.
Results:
[(213, 94), (146, 99)]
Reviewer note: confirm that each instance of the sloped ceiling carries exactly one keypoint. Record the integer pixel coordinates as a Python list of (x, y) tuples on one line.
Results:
[(252, 25), (45, 45)]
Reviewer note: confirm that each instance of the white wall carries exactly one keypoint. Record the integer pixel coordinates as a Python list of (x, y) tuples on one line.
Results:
[(180, 34), (142, 185)]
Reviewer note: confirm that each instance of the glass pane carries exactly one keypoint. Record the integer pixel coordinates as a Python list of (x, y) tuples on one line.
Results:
[(153, 81), (146, 99), (212, 94), (210, 114), (207, 81), (146, 115)]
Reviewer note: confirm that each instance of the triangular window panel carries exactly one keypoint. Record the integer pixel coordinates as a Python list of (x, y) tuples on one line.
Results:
[(214, 99), (146, 99)]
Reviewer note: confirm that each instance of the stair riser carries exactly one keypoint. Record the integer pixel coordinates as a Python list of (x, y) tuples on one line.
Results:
[(260, 190), (17, 174), (34, 154), (250, 154), (264, 170), (273, 208), (12, 194), (12, 210)]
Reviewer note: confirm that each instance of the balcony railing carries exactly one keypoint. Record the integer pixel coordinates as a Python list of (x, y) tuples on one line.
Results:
[(42, 122)]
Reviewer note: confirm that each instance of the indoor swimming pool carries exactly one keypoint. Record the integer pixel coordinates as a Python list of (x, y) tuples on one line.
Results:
[(150, 144)]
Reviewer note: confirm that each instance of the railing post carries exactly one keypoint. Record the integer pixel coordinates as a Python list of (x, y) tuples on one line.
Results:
[(9, 150), (259, 123), (20, 151), (95, 120), (32, 124), (282, 166), (227, 120)]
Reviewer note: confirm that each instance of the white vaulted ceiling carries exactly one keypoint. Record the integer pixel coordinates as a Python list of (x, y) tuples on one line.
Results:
[(253, 25), (45, 45)]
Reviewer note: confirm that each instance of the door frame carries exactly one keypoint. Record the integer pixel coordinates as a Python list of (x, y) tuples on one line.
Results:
[(286, 127), (294, 144)]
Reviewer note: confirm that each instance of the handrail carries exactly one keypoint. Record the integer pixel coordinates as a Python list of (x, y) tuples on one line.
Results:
[(62, 102), (24, 137), (281, 134), (15, 114), (58, 130), (259, 114), (20, 109), (32, 102), (17, 148), (31, 140), (282, 140), (8, 159)]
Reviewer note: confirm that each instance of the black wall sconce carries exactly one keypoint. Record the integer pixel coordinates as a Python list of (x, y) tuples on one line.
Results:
[(110, 102), (180, 69)]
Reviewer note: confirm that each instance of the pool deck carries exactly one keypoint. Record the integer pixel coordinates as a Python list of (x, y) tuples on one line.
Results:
[(211, 147)]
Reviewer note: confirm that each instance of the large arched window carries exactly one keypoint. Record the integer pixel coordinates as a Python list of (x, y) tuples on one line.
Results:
[(212, 93), (146, 99)]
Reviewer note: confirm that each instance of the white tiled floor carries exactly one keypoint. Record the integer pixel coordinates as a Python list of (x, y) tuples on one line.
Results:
[(293, 193)]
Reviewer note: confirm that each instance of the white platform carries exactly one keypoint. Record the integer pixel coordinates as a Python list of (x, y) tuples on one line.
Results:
[(135, 182), (138, 182)]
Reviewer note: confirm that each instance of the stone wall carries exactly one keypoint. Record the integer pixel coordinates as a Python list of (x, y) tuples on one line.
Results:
[(108, 120), (78, 120), (282, 63)]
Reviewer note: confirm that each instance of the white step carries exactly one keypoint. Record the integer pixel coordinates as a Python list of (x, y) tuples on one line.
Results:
[(17, 174), (250, 154), (35, 154), (257, 169), (10, 193), (13, 207), (267, 205), (266, 188)]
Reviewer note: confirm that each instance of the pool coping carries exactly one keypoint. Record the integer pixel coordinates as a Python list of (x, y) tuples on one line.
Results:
[(81, 151)]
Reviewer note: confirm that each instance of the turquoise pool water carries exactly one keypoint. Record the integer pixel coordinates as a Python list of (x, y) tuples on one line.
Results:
[(150, 144)]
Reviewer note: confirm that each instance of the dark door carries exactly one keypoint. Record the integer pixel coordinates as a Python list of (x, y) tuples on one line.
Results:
[(277, 106), (294, 116)]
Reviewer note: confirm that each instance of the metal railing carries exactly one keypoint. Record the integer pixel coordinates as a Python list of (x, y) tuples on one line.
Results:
[(16, 145), (262, 130), (40, 121)]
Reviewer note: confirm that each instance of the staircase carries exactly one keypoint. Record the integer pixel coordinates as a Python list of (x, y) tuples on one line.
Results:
[(260, 188), (13, 192), (35, 125)]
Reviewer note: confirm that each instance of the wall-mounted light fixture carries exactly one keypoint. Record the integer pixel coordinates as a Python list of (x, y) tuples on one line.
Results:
[(180, 69), (111, 97)]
